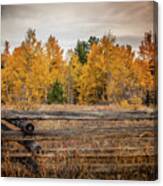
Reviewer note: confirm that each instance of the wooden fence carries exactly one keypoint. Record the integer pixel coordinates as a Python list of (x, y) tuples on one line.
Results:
[(108, 145)]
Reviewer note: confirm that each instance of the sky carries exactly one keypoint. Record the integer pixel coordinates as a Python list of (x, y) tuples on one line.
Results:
[(69, 22)]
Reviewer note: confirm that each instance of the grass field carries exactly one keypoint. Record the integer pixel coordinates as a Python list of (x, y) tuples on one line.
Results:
[(99, 149)]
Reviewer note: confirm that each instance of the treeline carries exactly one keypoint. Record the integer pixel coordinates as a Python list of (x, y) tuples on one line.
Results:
[(97, 71)]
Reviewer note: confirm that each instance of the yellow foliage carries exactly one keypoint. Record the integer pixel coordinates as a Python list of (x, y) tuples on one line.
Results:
[(30, 72), (112, 73)]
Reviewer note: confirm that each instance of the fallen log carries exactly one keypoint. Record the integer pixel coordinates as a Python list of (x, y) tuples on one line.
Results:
[(83, 132), (26, 126), (29, 163), (78, 115), (30, 145)]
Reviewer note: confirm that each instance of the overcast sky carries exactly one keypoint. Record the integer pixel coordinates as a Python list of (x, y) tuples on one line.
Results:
[(69, 22)]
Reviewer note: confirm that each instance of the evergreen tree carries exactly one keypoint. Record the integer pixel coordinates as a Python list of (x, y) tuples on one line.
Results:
[(56, 94)]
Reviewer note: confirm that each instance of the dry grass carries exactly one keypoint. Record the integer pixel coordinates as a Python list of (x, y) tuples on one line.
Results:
[(69, 107), (71, 162), (62, 166)]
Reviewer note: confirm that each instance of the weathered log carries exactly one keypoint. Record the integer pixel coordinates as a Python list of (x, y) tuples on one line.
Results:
[(17, 136), (29, 162), (80, 115), (80, 132), (31, 145), (26, 126), (112, 151), (86, 156)]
